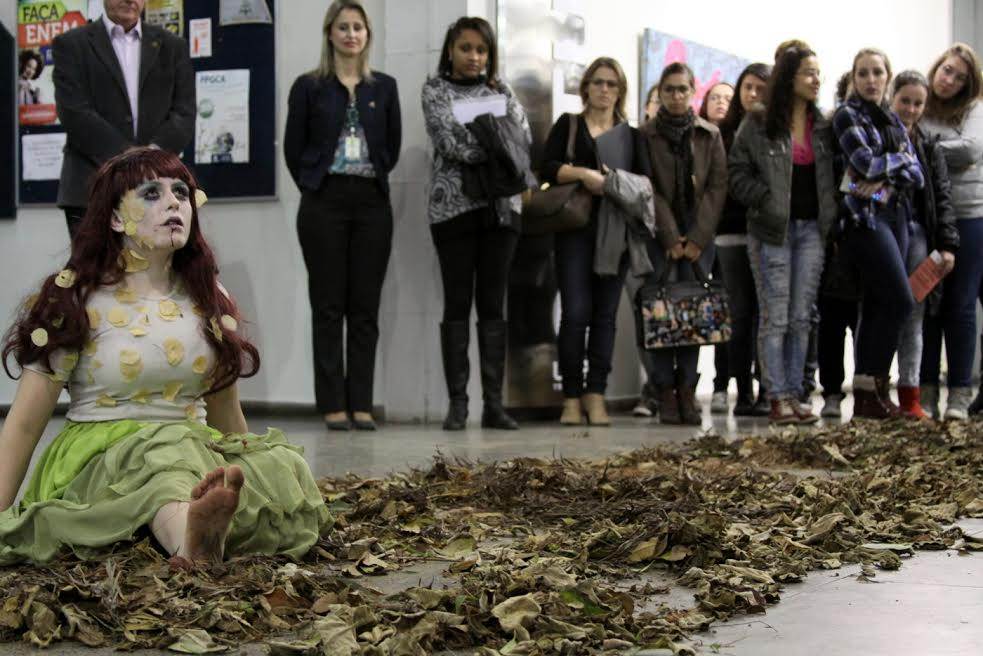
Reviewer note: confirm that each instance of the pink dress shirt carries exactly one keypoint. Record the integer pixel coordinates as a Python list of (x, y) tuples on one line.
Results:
[(127, 48)]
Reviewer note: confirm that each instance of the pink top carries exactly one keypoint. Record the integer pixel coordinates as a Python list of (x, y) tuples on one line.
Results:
[(127, 48), (802, 152)]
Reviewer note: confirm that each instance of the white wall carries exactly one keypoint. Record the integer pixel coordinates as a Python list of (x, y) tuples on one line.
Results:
[(257, 243)]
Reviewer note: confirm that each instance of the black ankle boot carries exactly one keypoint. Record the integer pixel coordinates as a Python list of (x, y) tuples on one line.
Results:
[(492, 337), (454, 338), (976, 407)]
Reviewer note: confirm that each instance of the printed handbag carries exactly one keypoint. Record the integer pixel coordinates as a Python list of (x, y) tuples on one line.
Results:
[(682, 313), (557, 208)]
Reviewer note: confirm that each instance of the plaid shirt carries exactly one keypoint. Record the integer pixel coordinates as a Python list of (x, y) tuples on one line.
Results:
[(863, 148)]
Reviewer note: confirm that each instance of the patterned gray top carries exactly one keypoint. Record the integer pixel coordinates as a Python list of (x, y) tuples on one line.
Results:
[(454, 145), (346, 163)]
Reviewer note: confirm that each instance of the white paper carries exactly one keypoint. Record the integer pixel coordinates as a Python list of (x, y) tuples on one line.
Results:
[(468, 109), (42, 156), (936, 256), (222, 122), (200, 37), (239, 12)]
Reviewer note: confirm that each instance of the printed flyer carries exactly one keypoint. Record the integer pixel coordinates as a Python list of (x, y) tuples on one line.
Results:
[(168, 14), (38, 23), (222, 124)]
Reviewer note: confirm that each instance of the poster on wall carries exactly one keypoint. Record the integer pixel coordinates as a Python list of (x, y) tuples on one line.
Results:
[(168, 14), (709, 65), (222, 123), (243, 12), (38, 23)]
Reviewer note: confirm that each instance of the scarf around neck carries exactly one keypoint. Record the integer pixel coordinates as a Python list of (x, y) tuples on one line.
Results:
[(678, 133)]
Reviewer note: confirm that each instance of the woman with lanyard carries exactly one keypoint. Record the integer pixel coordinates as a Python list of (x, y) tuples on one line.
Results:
[(689, 178), (474, 245), (954, 116), (781, 169), (932, 228), (883, 173), (588, 301), (342, 139)]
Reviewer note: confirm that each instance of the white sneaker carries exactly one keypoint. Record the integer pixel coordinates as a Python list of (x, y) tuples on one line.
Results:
[(957, 405), (641, 409), (718, 403), (831, 406)]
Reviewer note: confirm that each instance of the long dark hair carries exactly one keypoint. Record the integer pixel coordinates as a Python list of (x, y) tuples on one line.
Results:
[(737, 111), (445, 68), (26, 56), (96, 261), (781, 91)]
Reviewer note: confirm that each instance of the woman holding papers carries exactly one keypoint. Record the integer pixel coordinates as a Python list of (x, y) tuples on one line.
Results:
[(689, 180), (932, 230), (882, 176), (474, 245), (588, 300), (342, 140), (781, 169), (954, 115)]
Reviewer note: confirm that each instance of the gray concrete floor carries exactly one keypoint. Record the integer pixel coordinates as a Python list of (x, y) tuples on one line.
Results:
[(931, 606)]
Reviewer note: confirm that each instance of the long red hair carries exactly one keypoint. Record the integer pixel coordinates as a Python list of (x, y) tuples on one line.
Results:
[(96, 260)]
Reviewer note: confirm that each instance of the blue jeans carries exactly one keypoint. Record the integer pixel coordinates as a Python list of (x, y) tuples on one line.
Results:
[(880, 254), (910, 346), (672, 367), (588, 311), (786, 278), (959, 297)]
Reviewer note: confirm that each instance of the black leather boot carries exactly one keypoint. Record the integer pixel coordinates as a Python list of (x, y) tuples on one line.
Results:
[(976, 407), (492, 337), (454, 338)]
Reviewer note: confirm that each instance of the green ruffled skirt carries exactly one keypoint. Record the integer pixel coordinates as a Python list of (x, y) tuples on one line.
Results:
[(98, 483)]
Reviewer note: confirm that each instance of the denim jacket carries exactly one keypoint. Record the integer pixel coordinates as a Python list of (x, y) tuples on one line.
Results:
[(760, 176), (316, 116)]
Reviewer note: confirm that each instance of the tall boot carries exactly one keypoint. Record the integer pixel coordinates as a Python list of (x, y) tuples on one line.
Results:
[(454, 338), (492, 337), (883, 385), (867, 402), (689, 410), (668, 405)]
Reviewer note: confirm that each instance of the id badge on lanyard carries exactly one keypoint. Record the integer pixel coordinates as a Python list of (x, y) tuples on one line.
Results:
[(353, 147)]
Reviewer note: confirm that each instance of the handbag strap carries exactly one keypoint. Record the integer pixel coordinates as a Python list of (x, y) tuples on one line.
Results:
[(571, 135), (701, 276)]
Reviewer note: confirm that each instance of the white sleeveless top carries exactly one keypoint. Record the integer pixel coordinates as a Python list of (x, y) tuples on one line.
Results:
[(147, 360)]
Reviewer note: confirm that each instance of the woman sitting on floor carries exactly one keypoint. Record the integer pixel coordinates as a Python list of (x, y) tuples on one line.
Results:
[(145, 337)]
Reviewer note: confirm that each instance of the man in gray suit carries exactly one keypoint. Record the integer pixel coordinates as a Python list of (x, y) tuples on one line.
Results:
[(118, 83)]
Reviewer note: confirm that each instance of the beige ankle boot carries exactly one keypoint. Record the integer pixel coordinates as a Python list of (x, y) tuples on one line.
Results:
[(597, 412), (572, 413)]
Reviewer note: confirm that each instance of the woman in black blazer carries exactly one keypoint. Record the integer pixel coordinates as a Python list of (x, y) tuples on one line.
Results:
[(342, 138)]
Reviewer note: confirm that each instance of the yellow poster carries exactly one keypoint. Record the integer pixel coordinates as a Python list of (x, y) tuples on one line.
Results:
[(169, 14)]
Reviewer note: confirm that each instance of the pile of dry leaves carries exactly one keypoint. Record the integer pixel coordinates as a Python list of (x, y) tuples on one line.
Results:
[(538, 556)]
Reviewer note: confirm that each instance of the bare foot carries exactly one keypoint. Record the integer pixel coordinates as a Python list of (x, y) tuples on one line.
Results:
[(213, 502)]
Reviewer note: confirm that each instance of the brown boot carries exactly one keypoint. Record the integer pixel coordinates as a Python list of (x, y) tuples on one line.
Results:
[(867, 402), (597, 412), (883, 386), (668, 405), (573, 414), (687, 405)]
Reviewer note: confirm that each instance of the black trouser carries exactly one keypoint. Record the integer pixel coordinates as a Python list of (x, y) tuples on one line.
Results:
[(835, 316), (345, 230), (735, 269), (73, 217), (475, 259), (588, 310)]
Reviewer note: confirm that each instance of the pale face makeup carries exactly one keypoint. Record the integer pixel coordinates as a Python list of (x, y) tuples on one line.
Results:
[(349, 34), (718, 100), (469, 55), (156, 215), (676, 92), (807, 80), (950, 77), (602, 89), (752, 91), (124, 13), (870, 78), (909, 103)]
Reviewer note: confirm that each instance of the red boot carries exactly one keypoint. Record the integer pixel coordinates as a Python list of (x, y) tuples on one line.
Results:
[(911, 406)]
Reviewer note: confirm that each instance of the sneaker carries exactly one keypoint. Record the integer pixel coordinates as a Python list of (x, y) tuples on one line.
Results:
[(641, 409), (744, 407), (782, 412), (930, 401), (957, 406), (976, 407), (718, 403), (831, 406), (803, 412), (648, 402)]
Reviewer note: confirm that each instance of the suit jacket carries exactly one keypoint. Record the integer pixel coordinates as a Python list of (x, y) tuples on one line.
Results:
[(90, 94)]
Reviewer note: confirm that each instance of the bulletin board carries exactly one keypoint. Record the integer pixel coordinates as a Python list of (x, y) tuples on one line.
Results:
[(230, 162), (8, 127)]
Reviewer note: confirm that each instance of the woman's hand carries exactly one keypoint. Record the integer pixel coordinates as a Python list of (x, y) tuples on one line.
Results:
[(678, 250), (692, 251), (593, 181), (865, 189), (948, 262)]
